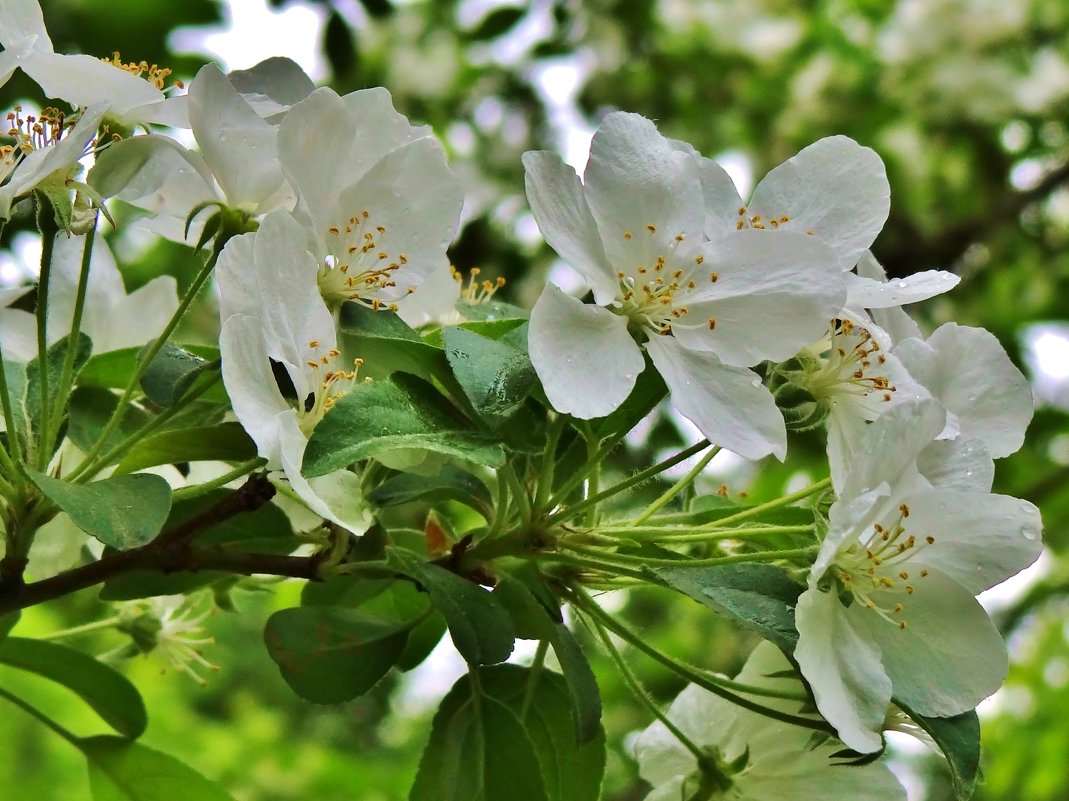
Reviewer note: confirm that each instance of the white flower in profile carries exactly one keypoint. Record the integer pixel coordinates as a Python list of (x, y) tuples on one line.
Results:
[(704, 311), (237, 163), (890, 608), (84, 80), (111, 317), (378, 202), (967, 370), (779, 760), (273, 312), (45, 154)]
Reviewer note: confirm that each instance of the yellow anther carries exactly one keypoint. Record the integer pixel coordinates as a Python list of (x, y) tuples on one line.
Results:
[(651, 228), (627, 234), (712, 323), (904, 509)]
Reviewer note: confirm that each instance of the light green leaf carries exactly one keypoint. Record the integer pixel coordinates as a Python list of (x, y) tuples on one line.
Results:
[(479, 626), (108, 692), (495, 376), (123, 771), (450, 484), (399, 412), (123, 512), (330, 654)]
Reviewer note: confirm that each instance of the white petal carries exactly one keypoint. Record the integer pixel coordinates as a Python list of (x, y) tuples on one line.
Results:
[(730, 405), (980, 539), (138, 317), (21, 19), (413, 195), (560, 209), (635, 179), (18, 335), (84, 80), (104, 288), (968, 370), (891, 444), (843, 667), (722, 200), (774, 294), (584, 355), (835, 188), (949, 657), (234, 275), (660, 755), (958, 464), (272, 85), (236, 143), (434, 301), (254, 395), (869, 293)]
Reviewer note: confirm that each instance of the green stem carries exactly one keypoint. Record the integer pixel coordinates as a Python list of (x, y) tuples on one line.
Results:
[(591, 564), (695, 534), (48, 241), (77, 631), (756, 511), (532, 682), (501, 505), (586, 604), (196, 490), (67, 375), (142, 365), (70, 737), (579, 476), (9, 422), (641, 561), (676, 488), (549, 462), (628, 483), (642, 693), (519, 494)]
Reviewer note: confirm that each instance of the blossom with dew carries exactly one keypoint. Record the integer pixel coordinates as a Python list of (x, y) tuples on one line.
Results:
[(377, 201), (133, 92), (762, 758), (890, 607), (704, 310), (272, 311)]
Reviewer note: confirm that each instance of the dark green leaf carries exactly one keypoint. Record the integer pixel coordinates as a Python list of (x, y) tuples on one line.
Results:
[(226, 442), (386, 415), (497, 23), (757, 596), (24, 386), (495, 377), (476, 751), (339, 43), (450, 484), (387, 345), (123, 771), (172, 372), (123, 512), (90, 410), (580, 681), (108, 692), (480, 628), (491, 311), (114, 369), (959, 740), (8, 622), (330, 654), (378, 8)]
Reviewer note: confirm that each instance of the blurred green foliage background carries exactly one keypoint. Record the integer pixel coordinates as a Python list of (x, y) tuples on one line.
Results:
[(967, 101)]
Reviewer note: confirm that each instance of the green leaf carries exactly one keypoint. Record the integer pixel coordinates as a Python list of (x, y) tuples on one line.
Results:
[(172, 373), (90, 410), (491, 311), (226, 442), (497, 23), (491, 747), (24, 384), (400, 412), (479, 626), (114, 369), (959, 740), (450, 484), (495, 377), (387, 345), (123, 512), (330, 654), (581, 684), (123, 771), (108, 692), (757, 596), (8, 622)]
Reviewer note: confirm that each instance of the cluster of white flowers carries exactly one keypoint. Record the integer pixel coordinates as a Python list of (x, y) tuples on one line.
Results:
[(710, 285)]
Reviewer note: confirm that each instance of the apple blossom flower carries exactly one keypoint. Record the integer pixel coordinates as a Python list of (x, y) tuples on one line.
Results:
[(778, 760), (704, 311), (378, 202), (273, 312), (890, 607), (84, 80)]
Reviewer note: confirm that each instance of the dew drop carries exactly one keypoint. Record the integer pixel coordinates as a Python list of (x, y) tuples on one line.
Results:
[(756, 382)]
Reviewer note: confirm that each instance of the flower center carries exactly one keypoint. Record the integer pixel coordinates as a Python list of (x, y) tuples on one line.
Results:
[(475, 291), (652, 293), (333, 384), (851, 366), (30, 133), (360, 263), (873, 569), (154, 74), (760, 223)]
